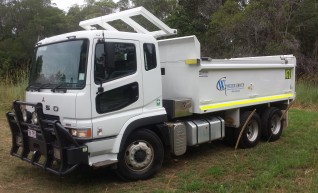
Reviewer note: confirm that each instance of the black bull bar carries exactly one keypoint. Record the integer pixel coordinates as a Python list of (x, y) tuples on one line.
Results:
[(47, 144)]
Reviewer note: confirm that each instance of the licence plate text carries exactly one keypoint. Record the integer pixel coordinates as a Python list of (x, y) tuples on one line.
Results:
[(31, 133)]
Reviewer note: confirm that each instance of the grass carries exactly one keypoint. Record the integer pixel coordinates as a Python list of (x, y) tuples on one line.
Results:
[(12, 87), (307, 95), (288, 165)]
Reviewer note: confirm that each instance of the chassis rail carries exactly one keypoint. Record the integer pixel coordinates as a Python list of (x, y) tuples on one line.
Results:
[(49, 146)]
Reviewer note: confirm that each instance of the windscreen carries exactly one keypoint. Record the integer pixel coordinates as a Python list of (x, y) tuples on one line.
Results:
[(60, 65)]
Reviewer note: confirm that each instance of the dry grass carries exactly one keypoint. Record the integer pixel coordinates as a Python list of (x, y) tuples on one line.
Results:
[(307, 95), (12, 87), (288, 165)]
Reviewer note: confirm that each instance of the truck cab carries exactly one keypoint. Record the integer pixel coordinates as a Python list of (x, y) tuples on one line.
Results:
[(96, 81)]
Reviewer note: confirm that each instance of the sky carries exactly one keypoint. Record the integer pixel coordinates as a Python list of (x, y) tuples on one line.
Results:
[(66, 4)]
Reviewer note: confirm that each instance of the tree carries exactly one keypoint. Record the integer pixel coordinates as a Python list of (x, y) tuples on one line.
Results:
[(160, 8), (23, 23), (304, 25), (123, 5), (225, 28), (91, 10), (257, 28), (192, 17)]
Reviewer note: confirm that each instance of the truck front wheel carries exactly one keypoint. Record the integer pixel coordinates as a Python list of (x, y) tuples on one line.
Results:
[(141, 157)]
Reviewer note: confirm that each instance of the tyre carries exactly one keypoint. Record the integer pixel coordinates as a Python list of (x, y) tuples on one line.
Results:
[(229, 138), (271, 124), (141, 157), (252, 132)]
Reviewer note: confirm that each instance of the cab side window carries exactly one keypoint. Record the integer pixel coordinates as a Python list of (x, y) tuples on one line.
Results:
[(117, 98), (114, 60), (150, 56)]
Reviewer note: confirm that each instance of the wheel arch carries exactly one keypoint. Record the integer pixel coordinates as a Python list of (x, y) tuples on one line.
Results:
[(153, 123), (260, 108)]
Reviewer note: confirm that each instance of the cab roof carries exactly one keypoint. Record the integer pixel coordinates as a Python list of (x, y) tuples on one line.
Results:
[(97, 34)]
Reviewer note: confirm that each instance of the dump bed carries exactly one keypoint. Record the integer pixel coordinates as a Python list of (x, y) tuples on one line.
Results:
[(215, 85)]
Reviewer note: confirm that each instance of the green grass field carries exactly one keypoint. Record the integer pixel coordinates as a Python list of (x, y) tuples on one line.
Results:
[(307, 95), (11, 91), (288, 165)]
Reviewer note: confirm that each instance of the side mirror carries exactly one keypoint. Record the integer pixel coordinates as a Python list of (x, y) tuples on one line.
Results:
[(100, 88)]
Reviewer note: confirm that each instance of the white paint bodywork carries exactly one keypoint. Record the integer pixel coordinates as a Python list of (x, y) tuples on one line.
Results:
[(259, 77), (247, 81), (125, 16)]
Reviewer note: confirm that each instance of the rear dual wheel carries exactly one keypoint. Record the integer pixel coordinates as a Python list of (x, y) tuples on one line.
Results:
[(269, 127), (272, 124), (252, 132)]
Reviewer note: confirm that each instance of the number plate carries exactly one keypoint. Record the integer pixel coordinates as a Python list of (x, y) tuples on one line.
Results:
[(32, 133)]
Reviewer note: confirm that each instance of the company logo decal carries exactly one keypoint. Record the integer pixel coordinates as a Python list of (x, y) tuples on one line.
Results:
[(221, 84), (233, 87)]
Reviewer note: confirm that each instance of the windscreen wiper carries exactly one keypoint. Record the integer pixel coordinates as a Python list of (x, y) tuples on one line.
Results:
[(58, 86), (38, 88), (61, 84)]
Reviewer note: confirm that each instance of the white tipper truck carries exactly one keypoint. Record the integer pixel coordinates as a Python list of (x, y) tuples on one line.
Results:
[(105, 97)]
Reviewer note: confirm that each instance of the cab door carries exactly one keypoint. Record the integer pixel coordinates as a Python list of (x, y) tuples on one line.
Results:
[(116, 85)]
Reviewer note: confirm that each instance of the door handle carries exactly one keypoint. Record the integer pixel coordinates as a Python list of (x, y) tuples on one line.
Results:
[(134, 92)]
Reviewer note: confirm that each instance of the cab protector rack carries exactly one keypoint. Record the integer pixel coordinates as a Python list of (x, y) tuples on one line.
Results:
[(47, 144), (105, 22)]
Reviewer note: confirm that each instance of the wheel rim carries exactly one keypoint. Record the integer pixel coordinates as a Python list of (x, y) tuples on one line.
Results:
[(139, 155), (275, 124), (252, 129)]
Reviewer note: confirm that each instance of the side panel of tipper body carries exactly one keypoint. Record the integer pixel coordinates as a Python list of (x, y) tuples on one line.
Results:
[(216, 85), (244, 83)]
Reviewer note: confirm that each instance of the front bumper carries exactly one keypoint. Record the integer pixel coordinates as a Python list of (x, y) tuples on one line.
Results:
[(47, 145)]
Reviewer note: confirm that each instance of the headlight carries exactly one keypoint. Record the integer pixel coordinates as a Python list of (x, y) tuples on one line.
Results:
[(56, 153), (74, 132), (18, 140), (25, 115), (35, 119), (81, 133)]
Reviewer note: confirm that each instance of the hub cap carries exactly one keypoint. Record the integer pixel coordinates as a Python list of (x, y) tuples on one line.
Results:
[(252, 130), (275, 124), (139, 155)]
